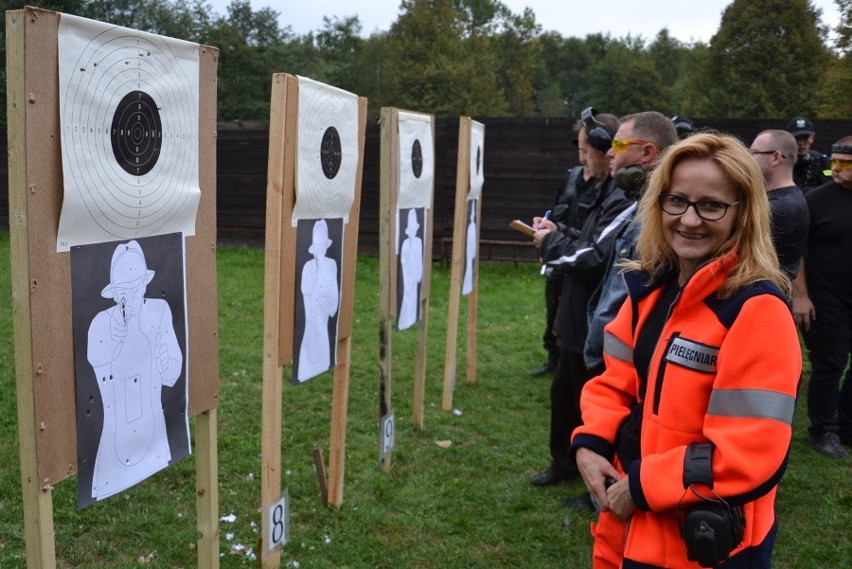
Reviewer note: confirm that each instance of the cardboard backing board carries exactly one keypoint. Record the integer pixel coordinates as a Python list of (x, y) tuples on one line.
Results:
[(282, 181), (42, 277)]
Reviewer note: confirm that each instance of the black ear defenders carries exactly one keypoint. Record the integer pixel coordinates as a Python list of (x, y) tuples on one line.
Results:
[(712, 528), (597, 134), (631, 180)]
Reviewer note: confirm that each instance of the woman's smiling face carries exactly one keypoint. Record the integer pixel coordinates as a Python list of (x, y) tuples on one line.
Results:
[(693, 239)]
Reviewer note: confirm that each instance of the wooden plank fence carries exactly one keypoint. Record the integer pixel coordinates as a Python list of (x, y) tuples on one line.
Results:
[(524, 162)]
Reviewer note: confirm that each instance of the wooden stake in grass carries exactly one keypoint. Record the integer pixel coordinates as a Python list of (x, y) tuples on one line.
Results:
[(280, 269), (465, 260), (406, 190)]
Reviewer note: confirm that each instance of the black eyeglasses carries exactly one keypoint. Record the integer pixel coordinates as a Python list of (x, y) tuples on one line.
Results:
[(708, 210), (753, 152)]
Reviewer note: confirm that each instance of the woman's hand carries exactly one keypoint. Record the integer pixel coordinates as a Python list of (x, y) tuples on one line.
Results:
[(595, 469), (620, 502)]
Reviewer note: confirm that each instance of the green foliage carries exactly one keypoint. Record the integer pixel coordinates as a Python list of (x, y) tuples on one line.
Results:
[(765, 61), (562, 76), (439, 63), (633, 81), (469, 505), (770, 58), (834, 99)]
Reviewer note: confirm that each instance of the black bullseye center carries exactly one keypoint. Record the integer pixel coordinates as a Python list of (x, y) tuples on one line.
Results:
[(331, 153), (417, 159), (136, 133)]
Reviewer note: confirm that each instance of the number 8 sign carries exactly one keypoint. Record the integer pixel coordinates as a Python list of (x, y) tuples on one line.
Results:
[(279, 522)]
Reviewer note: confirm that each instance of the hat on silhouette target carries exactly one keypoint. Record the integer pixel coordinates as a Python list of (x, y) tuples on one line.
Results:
[(800, 126)]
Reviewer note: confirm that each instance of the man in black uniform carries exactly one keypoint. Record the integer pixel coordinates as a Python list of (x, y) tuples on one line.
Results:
[(822, 306), (569, 210), (580, 259), (775, 152), (812, 167)]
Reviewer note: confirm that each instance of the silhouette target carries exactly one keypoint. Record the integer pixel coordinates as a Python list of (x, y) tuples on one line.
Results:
[(136, 133), (130, 132)]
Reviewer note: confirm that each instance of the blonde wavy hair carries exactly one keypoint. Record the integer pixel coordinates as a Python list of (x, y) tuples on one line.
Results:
[(751, 237)]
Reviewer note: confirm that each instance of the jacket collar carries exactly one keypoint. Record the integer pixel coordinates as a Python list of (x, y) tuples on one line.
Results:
[(706, 280)]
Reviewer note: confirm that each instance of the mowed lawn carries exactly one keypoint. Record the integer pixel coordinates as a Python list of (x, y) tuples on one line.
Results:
[(466, 502)]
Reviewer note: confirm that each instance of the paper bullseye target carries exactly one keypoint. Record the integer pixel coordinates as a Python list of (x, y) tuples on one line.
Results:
[(327, 152), (129, 115), (477, 143), (416, 161)]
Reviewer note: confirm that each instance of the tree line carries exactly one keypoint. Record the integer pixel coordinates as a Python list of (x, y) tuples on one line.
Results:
[(768, 59)]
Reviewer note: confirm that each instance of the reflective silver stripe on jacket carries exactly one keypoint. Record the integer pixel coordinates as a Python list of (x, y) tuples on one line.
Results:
[(616, 348), (752, 404), (612, 226)]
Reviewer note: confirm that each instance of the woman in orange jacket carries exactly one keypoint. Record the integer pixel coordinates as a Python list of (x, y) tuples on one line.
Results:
[(686, 434)]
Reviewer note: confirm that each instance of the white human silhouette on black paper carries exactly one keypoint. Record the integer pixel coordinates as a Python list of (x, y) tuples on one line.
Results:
[(411, 262), (470, 250), (133, 350), (321, 298)]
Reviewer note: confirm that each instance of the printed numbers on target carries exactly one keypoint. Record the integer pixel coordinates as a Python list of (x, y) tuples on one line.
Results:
[(279, 522), (386, 437)]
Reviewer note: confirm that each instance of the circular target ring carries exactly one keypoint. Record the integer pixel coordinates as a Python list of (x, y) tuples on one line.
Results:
[(136, 133), (416, 159), (331, 152)]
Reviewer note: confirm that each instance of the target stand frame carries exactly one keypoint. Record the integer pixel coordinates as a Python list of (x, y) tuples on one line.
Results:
[(463, 187), (41, 289), (279, 303), (388, 262)]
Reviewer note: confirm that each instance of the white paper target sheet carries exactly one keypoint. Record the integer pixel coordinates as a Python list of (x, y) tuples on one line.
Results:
[(129, 113)]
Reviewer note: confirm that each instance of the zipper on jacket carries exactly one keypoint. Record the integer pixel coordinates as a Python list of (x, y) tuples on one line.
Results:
[(661, 371)]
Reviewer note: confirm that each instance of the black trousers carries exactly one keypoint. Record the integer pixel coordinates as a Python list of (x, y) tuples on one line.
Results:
[(552, 290), (567, 385), (829, 343)]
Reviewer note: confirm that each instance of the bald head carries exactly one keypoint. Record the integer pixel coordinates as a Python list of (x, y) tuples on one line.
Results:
[(775, 152)]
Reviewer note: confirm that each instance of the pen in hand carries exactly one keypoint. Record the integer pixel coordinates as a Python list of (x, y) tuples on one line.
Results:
[(546, 215)]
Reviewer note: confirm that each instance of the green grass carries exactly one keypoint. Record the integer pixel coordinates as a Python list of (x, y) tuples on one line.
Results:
[(470, 505)]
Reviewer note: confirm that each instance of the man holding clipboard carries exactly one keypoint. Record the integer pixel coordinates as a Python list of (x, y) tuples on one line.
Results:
[(575, 246)]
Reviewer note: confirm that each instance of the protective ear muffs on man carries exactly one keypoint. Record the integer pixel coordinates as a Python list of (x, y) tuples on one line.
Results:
[(596, 132)]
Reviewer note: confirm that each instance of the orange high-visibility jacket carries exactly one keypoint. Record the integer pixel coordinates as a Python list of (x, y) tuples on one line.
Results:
[(724, 371)]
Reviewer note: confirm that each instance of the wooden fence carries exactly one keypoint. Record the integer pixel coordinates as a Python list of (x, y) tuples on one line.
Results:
[(524, 162)]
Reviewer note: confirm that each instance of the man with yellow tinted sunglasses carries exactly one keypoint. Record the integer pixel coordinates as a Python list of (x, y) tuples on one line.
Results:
[(822, 306)]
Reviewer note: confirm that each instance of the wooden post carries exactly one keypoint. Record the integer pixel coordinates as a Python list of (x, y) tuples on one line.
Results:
[(340, 392), (387, 263), (207, 488), (339, 415), (423, 326), (280, 183), (457, 268), (460, 222), (37, 500)]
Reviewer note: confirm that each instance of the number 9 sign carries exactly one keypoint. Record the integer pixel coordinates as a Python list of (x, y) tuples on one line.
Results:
[(387, 434)]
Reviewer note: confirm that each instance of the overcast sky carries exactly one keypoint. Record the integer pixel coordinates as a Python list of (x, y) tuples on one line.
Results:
[(687, 20)]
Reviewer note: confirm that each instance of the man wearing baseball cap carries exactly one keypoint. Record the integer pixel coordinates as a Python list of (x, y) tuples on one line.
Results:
[(812, 168)]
